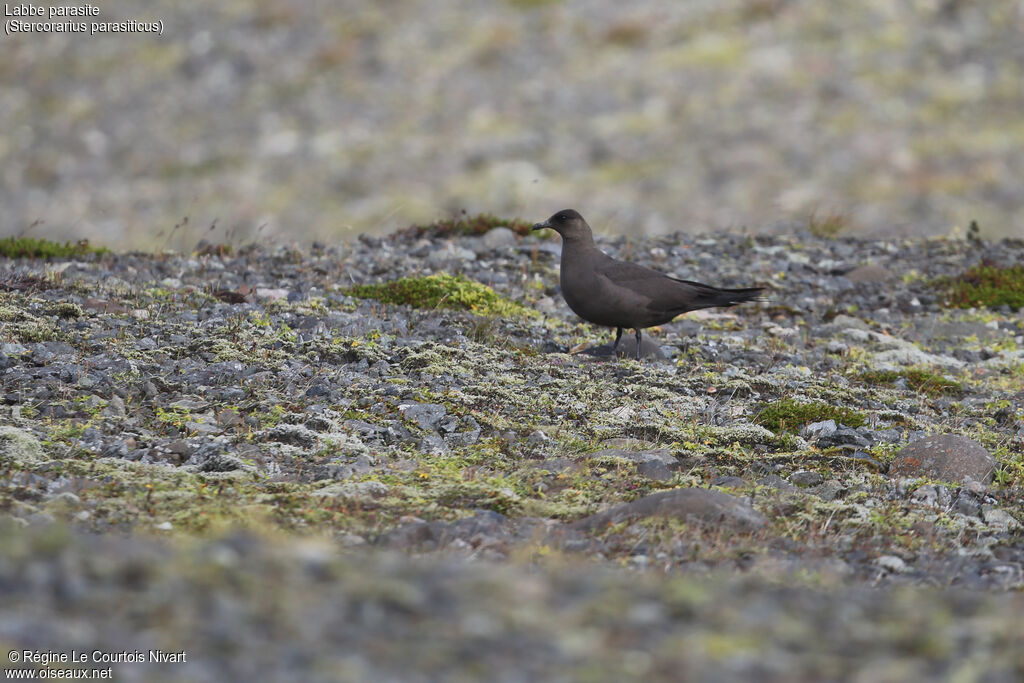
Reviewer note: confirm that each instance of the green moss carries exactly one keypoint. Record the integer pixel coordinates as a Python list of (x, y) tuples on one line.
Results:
[(789, 415), (469, 225), (828, 225), (984, 285), (32, 247), (442, 291), (918, 379)]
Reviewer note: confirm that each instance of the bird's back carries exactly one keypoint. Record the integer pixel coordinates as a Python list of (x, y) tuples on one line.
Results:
[(606, 291)]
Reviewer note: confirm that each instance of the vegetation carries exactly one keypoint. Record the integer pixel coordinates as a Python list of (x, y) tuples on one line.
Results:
[(918, 379), (464, 224), (32, 247), (986, 285), (827, 225), (789, 415), (442, 291)]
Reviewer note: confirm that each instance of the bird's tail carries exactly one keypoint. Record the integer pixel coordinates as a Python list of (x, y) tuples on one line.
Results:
[(708, 296)]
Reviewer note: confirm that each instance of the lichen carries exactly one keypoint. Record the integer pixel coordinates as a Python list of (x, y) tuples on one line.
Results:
[(18, 448)]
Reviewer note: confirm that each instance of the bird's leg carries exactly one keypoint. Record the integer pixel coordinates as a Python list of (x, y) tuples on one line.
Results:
[(638, 343), (618, 336)]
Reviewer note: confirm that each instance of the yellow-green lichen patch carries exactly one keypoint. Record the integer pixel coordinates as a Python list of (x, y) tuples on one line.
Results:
[(984, 285), (789, 415), (442, 290), (918, 379)]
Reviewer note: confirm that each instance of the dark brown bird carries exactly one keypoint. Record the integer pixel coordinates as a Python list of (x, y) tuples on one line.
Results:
[(619, 294)]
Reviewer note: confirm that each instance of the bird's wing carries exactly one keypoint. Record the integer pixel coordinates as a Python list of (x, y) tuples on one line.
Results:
[(665, 294), (660, 291)]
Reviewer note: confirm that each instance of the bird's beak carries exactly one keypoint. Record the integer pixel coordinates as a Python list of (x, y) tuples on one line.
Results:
[(541, 226)]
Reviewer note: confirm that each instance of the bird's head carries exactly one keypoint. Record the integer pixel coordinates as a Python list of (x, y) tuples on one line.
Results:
[(567, 223)]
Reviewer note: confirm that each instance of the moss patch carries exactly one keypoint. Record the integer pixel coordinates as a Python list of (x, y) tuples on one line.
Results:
[(827, 225), (918, 379), (31, 247), (985, 285), (442, 291), (789, 415), (469, 225)]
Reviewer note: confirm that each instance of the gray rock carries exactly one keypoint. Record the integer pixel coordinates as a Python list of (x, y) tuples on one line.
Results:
[(836, 346), (948, 457), (827, 434), (433, 444), (892, 563), (499, 238), (967, 505), (13, 349), (774, 481), (229, 418), (537, 437), (423, 415), (817, 430), (894, 353), (703, 505), (362, 465), (293, 435), (654, 464), (805, 479), (450, 252), (114, 407), (868, 273), (932, 496), (996, 517), (357, 490), (654, 469)]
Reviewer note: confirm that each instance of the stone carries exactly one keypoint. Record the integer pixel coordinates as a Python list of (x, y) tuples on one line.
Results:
[(654, 464), (423, 415), (703, 505), (805, 479), (499, 238), (894, 353), (359, 490), (868, 273), (828, 434), (293, 435), (229, 418), (892, 563), (996, 517), (948, 457), (935, 496), (114, 408), (654, 469)]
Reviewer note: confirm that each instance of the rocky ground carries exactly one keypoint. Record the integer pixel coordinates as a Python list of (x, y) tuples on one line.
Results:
[(244, 455)]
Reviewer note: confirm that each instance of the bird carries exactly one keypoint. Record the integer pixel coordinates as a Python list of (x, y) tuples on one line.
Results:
[(613, 293)]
